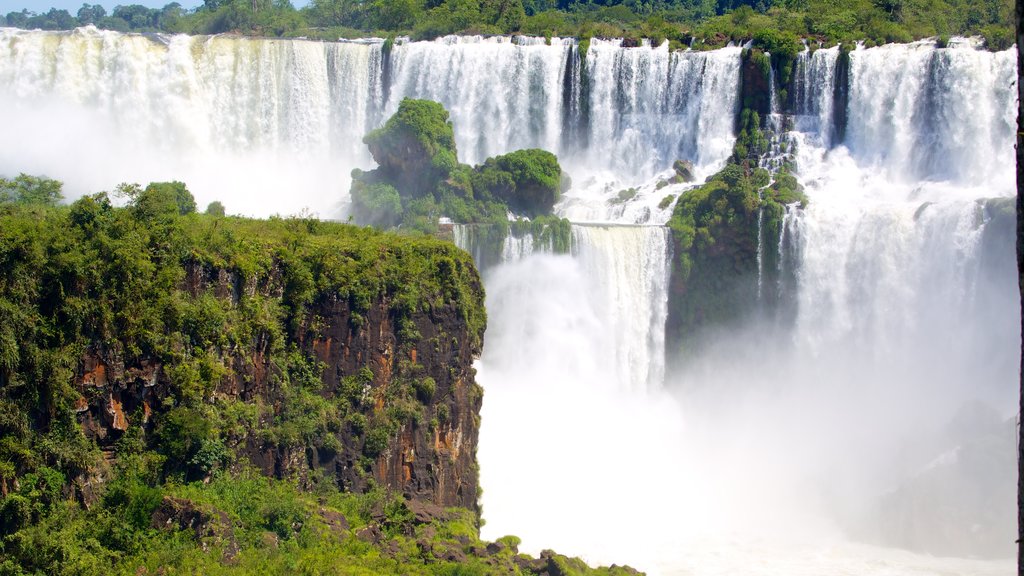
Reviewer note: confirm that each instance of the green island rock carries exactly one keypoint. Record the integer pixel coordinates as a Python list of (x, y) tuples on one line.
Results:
[(716, 230), (419, 181)]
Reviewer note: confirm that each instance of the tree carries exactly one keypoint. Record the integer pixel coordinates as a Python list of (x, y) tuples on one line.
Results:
[(169, 17), (19, 19), (215, 208), (183, 199), (91, 14), (137, 16), (53, 20), (394, 14), (27, 189)]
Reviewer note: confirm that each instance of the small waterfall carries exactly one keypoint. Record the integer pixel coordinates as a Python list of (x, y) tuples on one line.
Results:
[(626, 268), (760, 251), (790, 240), (814, 92), (922, 113), (516, 248), (774, 120), (573, 365), (503, 95), (632, 265), (650, 107)]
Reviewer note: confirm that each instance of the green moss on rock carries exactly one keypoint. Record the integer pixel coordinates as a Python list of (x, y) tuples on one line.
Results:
[(416, 146), (527, 181)]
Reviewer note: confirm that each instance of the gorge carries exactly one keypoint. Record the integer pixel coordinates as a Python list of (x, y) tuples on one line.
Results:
[(856, 415)]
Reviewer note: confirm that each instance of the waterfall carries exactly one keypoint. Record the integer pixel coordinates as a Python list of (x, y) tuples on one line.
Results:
[(921, 113), (814, 91), (905, 298), (239, 120), (503, 95), (573, 363), (650, 107), (647, 108), (627, 271), (631, 266), (242, 119)]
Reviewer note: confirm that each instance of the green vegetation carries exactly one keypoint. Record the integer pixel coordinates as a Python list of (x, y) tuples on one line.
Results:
[(28, 190), (242, 523), (702, 23), (215, 208), (419, 180), (528, 181), (90, 291)]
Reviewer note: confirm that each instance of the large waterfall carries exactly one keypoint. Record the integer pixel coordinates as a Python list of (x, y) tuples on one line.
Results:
[(871, 435), (264, 126), (250, 121)]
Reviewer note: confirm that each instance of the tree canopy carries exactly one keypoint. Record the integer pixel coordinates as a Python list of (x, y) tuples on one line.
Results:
[(702, 23)]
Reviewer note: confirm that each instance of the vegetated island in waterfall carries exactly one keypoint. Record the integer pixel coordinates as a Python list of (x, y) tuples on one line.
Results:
[(421, 187), (699, 24), (198, 393)]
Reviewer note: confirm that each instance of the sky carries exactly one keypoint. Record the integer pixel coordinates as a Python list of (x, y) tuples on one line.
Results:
[(72, 6)]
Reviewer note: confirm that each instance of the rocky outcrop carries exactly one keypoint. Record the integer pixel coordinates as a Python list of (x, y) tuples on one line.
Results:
[(210, 528)]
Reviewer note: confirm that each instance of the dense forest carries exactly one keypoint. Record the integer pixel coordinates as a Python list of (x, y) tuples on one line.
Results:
[(696, 23)]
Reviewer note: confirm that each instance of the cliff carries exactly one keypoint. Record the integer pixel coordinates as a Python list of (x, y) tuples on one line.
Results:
[(306, 349), (415, 389)]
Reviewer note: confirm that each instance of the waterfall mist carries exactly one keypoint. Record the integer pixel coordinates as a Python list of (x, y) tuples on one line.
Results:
[(874, 434)]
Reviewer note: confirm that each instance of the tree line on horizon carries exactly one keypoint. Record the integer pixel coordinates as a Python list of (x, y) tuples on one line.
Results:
[(711, 23)]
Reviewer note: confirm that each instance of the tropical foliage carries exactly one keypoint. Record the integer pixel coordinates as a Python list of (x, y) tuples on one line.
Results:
[(701, 23)]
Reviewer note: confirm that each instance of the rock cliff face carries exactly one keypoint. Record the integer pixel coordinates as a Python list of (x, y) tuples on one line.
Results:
[(431, 455)]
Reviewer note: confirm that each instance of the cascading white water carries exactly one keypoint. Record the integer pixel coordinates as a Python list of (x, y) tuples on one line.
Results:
[(502, 95), (515, 248), (265, 126), (627, 268), (923, 114), (240, 119), (573, 366), (630, 264), (814, 92), (647, 108), (886, 410), (878, 419)]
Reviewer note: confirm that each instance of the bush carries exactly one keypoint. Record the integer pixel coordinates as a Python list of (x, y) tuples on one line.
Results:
[(376, 204), (529, 181), (377, 440), (416, 146), (215, 208)]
